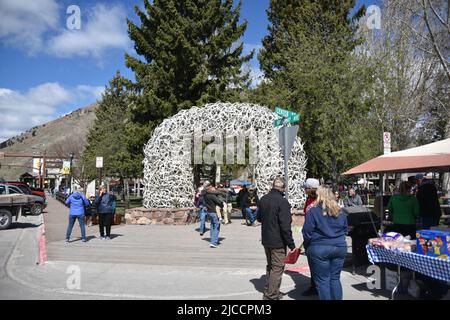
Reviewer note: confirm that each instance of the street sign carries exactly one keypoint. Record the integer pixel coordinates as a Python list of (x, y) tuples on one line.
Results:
[(288, 120), (387, 142), (284, 113), (99, 162), (286, 139), (66, 167)]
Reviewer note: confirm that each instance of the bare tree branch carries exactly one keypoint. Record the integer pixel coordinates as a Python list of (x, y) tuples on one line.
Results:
[(444, 62)]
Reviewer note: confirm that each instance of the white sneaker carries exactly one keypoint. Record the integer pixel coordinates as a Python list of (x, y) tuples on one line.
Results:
[(107, 238), (66, 242), (212, 246)]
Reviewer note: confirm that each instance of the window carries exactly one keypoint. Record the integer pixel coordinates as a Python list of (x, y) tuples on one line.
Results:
[(25, 190), (2, 190), (14, 190)]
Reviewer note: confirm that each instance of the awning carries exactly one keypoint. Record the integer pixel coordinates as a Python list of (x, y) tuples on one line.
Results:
[(430, 157)]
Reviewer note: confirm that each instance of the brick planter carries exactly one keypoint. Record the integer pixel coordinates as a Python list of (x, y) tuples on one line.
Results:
[(164, 216)]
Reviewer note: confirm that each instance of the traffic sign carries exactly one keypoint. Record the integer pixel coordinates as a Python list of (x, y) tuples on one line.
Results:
[(284, 113), (387, 142), (99, 162), (288, 120), (286, 139)]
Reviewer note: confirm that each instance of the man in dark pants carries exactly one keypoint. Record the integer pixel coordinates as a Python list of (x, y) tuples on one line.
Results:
[(105, 210), (429, 207), (275, 217)]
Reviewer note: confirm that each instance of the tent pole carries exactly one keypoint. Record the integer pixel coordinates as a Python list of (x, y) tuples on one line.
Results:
[(382, 202)]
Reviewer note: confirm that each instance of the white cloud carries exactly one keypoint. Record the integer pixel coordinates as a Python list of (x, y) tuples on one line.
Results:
[(23, 22), (40, 104), (104, 29), (90, 91), (36, 27)]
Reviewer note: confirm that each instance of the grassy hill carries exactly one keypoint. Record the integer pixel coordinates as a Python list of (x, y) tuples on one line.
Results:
[(58, 137)]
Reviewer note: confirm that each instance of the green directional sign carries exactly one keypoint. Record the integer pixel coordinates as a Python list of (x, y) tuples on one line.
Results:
[(291, 119), (284, 113)]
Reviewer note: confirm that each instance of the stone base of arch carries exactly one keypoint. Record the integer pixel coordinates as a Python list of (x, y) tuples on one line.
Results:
[(180, 216), (162, 216)]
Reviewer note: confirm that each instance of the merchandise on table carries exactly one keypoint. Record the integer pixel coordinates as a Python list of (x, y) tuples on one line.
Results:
[(394, 241), (433, 243)]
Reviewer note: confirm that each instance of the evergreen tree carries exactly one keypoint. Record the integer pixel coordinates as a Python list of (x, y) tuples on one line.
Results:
[(309, 67), (107, 136), (190, 56)]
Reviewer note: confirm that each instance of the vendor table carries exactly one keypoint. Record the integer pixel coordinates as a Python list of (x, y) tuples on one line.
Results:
[(429, 266)]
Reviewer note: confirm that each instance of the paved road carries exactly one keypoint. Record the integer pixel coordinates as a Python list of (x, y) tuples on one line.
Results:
[(148, 262)]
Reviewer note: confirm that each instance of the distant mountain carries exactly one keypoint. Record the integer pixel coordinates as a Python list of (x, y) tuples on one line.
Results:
[(56, 137)]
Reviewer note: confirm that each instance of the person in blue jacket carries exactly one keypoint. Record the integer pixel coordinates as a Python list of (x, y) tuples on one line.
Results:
[(77, 202), (324, 234), (105, 204)]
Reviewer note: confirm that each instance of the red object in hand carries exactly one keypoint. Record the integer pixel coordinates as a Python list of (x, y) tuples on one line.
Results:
[(292, 256)]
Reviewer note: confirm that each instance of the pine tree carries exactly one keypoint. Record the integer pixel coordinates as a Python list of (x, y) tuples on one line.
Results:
[(307, 60), (191, 55), (107, 136)]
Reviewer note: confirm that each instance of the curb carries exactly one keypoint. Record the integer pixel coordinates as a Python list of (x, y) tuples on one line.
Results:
[(42, 243), (42, 247)]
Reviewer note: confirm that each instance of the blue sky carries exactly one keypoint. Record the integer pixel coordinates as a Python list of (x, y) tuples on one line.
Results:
[(47, 70)]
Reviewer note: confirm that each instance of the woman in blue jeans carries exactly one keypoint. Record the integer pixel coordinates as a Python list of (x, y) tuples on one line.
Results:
[(324, 234), (77, 202)]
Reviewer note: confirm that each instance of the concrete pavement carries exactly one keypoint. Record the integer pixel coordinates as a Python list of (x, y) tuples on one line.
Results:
[(150, 262)]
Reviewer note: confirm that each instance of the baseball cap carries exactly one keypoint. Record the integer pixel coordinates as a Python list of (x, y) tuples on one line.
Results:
[(419, 176), (311, 183)]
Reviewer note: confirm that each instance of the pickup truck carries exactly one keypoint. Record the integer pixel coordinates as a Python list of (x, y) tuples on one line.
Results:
[(13, 206), (39, 203)]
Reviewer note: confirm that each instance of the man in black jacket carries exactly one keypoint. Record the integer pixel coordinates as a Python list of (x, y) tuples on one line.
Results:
[(430, 209), (210, 201), (275, 217)]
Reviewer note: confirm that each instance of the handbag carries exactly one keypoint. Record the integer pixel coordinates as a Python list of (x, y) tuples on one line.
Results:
[(293, 255)]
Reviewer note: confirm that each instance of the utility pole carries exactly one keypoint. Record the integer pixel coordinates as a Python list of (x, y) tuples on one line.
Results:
[(70, 172)]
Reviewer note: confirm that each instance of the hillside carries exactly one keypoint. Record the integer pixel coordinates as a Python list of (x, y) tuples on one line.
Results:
[(58, 137)]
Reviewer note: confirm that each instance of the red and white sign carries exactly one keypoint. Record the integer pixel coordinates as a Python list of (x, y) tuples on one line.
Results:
[(387, 142)]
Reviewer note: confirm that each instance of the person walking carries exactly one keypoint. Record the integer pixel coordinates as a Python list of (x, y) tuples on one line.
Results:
[(77, 202), (240, 200), (404, 207), (105, 204), (250, 205), (201, 206), (429, 207), (211, 201), (310, 186), (324, 234), (227, 194), (275, 217)]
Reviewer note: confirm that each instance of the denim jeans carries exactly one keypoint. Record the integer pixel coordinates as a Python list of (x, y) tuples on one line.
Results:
[(326, 264), (251, 215), (215, 228), (72, 222), (202, 214)]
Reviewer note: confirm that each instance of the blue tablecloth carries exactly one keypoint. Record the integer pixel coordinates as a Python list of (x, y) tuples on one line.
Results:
[(429, 266)]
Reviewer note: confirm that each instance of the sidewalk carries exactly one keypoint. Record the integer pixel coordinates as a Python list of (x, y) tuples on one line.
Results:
[(162, 262)]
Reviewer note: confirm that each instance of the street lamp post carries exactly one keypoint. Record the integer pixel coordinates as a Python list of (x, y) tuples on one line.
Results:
[(70, 172)]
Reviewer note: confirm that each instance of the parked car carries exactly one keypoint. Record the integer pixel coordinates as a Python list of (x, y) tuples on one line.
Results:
[(27, 189), (39, 204)]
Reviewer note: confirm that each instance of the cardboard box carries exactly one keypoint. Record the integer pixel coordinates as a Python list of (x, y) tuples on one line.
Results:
[(433, 243)]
